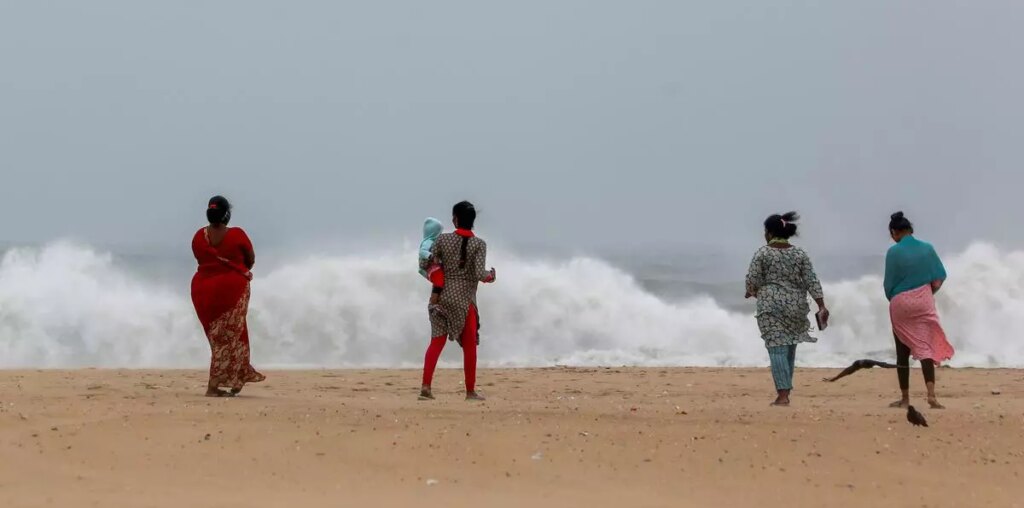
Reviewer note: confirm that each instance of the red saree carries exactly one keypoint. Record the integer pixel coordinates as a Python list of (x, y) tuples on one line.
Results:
[(220, 293)]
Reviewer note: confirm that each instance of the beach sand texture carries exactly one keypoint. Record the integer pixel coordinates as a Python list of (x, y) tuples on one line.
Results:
[(623, 437)]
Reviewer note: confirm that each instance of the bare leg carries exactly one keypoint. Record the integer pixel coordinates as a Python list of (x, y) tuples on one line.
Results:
[(902, 373), (928, 368), (933, 401)]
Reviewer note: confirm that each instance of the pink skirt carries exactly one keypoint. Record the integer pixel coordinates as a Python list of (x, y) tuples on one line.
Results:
[(916, 323)]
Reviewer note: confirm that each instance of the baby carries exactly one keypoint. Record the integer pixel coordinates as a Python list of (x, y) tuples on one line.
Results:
[(434, 272)]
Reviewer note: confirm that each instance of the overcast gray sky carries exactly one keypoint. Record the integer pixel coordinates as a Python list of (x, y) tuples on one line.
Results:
[(571, 123)]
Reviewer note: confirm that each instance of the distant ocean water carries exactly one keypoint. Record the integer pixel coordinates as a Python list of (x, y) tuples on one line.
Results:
[(71, 305)]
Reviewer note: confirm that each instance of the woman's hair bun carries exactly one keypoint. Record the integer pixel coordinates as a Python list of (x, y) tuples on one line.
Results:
[(782, 226), (899, 222)]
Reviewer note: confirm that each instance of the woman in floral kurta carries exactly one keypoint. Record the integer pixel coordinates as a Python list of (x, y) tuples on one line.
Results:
[(780, 277), (463, 257)]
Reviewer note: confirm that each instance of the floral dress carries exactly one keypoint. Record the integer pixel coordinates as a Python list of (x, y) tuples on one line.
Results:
[(781, 279)]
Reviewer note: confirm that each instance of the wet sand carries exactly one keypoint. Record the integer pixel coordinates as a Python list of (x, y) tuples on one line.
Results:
[(546, 437)]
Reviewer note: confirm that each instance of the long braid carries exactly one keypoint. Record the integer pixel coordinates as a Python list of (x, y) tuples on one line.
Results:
[(465, 244)]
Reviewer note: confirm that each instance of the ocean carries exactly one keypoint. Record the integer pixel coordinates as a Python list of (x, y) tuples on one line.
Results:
[(68, 304)]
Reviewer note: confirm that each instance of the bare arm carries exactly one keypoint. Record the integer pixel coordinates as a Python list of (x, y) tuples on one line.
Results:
[(250, 258), (248, 253), (480, 270), (814, 285)]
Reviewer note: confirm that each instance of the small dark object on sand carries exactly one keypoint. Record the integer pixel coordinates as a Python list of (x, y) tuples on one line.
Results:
[(917, 419), (858, 365)]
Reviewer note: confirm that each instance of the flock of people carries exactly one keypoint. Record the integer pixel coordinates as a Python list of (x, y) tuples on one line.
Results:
[(780, 278)]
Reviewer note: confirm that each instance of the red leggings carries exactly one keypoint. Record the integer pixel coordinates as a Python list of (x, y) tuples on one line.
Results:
[(469, 340)]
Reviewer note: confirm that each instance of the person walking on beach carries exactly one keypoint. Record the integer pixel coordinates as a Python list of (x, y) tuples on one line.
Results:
[(220, 294), (455, 315), (913, 274), (780, 277)]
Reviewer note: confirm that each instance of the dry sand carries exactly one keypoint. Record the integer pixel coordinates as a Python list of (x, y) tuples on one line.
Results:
[(547, 437)]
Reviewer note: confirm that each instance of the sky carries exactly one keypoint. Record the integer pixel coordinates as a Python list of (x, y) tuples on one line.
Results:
[(576, 124)]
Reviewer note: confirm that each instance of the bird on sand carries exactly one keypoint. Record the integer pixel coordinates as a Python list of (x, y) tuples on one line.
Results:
[(916, 418)]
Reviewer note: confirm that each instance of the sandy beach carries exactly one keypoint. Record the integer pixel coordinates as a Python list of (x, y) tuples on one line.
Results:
[(626, 437)]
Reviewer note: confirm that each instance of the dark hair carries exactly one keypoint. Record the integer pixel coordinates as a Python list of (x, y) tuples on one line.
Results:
[(782, 226), (219, 210), (464, 214), (900, 222)]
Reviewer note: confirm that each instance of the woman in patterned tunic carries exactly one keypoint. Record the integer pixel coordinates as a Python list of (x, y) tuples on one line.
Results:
[(463, 257), (220, 293), (780, 277)]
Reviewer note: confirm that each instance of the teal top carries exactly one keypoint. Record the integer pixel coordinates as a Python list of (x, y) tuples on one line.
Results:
[(911, 264)]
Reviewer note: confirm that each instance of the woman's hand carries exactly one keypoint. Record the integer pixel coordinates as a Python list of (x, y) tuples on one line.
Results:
[(248, 276), (822, 309), (749, 295), (492, 277)]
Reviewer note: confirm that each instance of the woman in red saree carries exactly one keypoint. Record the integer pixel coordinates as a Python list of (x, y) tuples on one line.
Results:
[(220, 293)]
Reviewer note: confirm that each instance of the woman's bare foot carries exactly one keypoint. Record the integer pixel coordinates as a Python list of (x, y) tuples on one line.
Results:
[(426, 394), (934, 403), (217, 392), (474, 396), (901, 404), (783, 399)]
